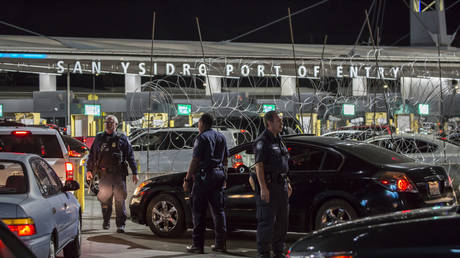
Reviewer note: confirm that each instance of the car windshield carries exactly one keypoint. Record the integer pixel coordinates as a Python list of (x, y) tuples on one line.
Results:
[(12, 180), (372, 153), (74, 144), (46, 146)]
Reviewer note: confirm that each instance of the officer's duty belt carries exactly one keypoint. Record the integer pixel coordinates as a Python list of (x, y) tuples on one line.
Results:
[(280, 179)]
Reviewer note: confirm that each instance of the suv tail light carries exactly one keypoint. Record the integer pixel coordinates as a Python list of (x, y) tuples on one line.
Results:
[(396, 182), (20, 133), (74, 154), (22, 227), (68, 171)]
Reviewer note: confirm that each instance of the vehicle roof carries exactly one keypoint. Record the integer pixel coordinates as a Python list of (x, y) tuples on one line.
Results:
[(186, 129), (410, 136), (16, 156), (344, 131), (33, 130), (383, 220), (320, 140)]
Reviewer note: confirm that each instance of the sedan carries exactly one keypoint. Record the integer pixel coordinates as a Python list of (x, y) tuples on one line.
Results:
[(429, 232), (37, 207), (427, 149), (333, 181)]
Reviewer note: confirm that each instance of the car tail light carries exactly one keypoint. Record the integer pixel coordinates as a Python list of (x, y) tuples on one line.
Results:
[(396, 181), (242, 131), (68, 171), (74, 154), (20, 133), (237, 164), (22, 227), (237, 156)]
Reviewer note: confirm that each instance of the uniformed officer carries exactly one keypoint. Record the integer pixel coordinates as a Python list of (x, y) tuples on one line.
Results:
[(272, 195), (207, 171), (107, 157)]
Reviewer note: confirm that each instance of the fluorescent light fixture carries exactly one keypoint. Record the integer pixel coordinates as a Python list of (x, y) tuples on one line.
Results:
[(348, 109), (424, 109), (1, 110), (184, 109), (22, 55), (268, 107), (94, 110)]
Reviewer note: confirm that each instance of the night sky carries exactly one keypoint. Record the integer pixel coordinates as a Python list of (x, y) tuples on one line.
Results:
[(220, 20)]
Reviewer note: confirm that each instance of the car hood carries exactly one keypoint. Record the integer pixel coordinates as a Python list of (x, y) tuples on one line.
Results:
[(370, 224), (169, 177), (9, 206)]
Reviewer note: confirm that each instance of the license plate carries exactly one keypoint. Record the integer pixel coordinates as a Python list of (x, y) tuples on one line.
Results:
[(434, 188)]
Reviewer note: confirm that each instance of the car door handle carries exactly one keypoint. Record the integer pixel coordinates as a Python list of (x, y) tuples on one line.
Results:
[(65, 206), (53, 210)]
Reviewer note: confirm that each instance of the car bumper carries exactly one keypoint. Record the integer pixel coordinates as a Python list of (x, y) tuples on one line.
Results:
[(38, 245), (388, 201), (136, 209)]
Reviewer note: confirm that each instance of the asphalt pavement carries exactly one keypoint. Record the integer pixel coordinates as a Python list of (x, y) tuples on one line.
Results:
[(139, 241)]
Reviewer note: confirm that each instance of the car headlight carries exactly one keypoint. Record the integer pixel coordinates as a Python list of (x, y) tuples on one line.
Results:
[(141, 185)]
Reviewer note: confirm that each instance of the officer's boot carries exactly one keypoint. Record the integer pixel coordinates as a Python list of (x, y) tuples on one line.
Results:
[(106, 213)]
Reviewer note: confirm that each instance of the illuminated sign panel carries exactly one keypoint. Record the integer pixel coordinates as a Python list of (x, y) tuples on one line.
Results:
[(244, 70), (348, 109), (267, 107), (184, 109), (94, 110), (424, 109)]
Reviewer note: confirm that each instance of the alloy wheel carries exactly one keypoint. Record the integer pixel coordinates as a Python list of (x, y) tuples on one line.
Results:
[(335, 215), (164, 216)]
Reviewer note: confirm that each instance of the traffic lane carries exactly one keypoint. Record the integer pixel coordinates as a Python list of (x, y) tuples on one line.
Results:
[(142, 243), (139, 241)]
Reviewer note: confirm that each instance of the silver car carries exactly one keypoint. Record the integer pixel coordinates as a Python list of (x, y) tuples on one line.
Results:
[(425, 148), (37, 207), (170, 149)]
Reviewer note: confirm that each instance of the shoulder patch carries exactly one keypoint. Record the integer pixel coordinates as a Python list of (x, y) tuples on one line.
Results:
[(259, 145)]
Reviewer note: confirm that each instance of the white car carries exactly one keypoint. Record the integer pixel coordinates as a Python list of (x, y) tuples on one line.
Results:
[(350, 135), (44, 142), (424, 148), (170, 149)]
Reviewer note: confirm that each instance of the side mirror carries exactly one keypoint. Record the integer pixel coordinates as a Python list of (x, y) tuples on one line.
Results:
[(71, 185)]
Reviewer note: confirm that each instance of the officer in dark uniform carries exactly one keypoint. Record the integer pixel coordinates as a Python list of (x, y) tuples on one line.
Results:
[(207, 171), (272, 195), (107, 157)]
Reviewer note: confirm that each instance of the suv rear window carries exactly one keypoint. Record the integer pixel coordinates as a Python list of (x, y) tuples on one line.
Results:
[(12, 179), (45, 146)]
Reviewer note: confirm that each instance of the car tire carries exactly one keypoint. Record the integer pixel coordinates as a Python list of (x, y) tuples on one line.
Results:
[(333, 212), (165, 216), (52, 248), (73, 249)]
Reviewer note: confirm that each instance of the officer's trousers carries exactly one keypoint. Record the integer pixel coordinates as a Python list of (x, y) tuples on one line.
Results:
[(113, 185), (272, 220), (208, 192)]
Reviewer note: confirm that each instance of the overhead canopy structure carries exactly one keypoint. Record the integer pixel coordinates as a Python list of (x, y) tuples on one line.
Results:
[(34, 54)]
